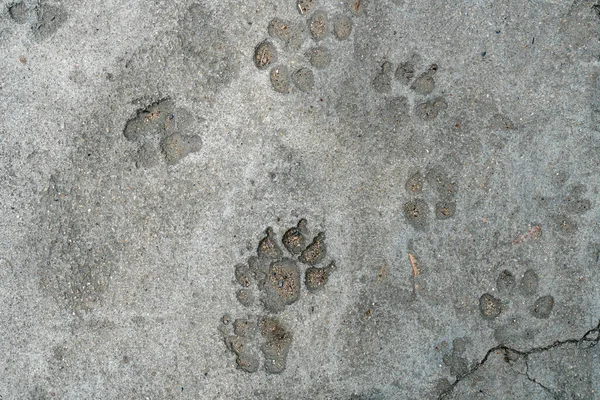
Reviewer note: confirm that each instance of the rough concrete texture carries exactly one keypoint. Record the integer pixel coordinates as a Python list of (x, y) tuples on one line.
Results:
[(446, 154)]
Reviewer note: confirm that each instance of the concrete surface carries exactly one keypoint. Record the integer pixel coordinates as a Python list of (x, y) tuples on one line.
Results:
[(448, 152)]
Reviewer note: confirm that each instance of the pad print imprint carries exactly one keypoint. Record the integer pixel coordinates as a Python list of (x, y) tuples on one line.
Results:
[(160, 132), (427, 105), (272, 280), (417, 210), (308, 37), (523, 301)]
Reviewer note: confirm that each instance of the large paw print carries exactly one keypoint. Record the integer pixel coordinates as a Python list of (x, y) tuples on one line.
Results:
[(417, 210), (421, 84), (285, 35), (277, 273), (521, 294)]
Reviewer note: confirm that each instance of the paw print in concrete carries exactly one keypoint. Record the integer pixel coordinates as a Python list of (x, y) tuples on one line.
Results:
[(269, 282), (422, 86), (309, 38), (244, 343), (515, 300), (455, 358), (565, 208), (46, 17), (417, 210), (160, 132)]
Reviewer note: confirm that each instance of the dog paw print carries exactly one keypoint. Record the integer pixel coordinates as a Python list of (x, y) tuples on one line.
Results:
[(454, 356), (311, 36), (243, 342), (522, 302), (442, 196), (269, 282), (565, 207), (421, 84), (46, 17), (159, 131)]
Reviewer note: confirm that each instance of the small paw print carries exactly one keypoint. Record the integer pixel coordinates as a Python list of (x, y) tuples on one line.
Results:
[(420, 84), (565, 208), (417, 210), (455, 358), (160, 131), (507, 314), (277, 271), (312, 32), (276, 343)]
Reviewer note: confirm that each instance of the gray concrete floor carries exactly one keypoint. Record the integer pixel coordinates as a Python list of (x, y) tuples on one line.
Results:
[(443, 158)]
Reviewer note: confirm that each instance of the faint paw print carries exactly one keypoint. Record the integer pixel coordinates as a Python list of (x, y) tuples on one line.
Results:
[(275, 346), (422, 84), (455, 358), (520, 305), (417, 210), (292, 36), (566, 206), (277, 273), (160, 131)]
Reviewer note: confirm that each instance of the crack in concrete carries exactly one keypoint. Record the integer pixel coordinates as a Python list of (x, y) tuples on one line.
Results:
[(547, 389), (591, 337)]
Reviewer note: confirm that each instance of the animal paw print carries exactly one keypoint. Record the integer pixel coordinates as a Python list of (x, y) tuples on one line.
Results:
[(417, 210), (159, 131), (277, 341), (566, 206), (290, 35), (47, 17), (508, 314), (421, 84), (455, 359), (277, 272)]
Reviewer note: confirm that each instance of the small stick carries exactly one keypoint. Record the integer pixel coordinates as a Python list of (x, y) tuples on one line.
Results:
[(533, 233), (382, 273), (415, 270), (263, 61), (414, 264)]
